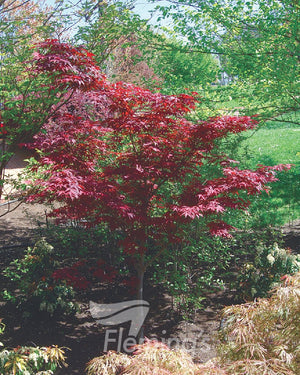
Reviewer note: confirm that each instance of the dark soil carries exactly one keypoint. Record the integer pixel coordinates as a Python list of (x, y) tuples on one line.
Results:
[(83, 337)]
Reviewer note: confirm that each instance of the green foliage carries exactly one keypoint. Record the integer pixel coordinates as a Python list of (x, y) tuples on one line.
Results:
[(191, 270), (270, 264), (278, 207), (205, 264), (27, 360), (22, 24), (124, 44), (107, 27), (188, 302), (33, 288), (257, 44), (75, 241), (270, 144), (27, 98), (180, 68)]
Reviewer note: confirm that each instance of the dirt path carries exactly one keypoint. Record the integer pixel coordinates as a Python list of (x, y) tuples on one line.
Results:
[(19, 222)]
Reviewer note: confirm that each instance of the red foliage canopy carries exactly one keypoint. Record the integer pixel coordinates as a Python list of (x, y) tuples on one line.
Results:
[(69, 66), (130, 158)]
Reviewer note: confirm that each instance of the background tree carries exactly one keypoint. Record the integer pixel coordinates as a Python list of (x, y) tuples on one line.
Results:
[(181, 68), (108, 25), (258, 47), (129, 49), (133, 63), (22, 23), (34, 97)]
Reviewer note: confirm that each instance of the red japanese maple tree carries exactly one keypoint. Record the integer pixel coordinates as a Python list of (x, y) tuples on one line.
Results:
[(129, 157)]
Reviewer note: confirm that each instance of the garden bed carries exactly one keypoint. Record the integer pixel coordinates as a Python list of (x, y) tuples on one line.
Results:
[(82, 337)]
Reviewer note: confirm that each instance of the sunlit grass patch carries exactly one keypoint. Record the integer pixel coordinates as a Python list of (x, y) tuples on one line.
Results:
[(275, 143)]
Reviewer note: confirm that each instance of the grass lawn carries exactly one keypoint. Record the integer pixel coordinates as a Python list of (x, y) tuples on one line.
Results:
[(273, 146), (276, 143)]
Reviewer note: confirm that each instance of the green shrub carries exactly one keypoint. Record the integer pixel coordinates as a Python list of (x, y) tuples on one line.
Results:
[(33, 287), (270, 263), (74, 240), (191, 270)]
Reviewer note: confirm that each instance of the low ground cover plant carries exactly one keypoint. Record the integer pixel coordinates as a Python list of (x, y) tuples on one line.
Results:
[(30, 360)]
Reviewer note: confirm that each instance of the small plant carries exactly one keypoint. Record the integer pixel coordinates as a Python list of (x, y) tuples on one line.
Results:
[(188, 272), (188, 304), (26, 360), (34, 288), (109, 364), (151, 357), (75, 241), (262, 337), (264, 273)]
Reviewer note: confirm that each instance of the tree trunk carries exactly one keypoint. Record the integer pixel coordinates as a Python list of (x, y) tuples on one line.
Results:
[(140, 290), (2, 166), (140, 285)]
